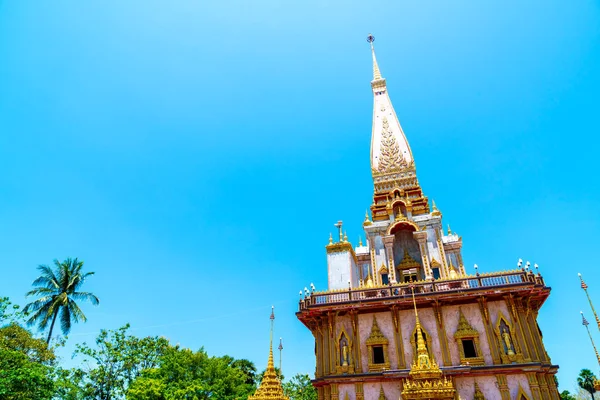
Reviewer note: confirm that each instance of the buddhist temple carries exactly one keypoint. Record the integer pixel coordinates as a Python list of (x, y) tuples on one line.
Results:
[(402, 318), (270, 387)]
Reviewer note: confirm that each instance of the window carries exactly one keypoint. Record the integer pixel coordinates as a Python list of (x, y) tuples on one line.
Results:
[(469, 348), (378, 357), (436, 273)]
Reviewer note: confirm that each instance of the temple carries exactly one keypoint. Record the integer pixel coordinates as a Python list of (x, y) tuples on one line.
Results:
[(270, 386), (401, 318)]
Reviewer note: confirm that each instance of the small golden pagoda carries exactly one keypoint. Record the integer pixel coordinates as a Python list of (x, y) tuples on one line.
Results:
[(270, 387), (426, 380)]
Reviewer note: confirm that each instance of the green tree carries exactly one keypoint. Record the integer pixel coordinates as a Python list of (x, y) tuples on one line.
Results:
[(26, 364), (586, 380), (58, 292), (566, 395), (185, 374), (118, 359), (300, 388)]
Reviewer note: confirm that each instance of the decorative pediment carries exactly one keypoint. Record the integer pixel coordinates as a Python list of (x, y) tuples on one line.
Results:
[(376, 337), (464, 329), (407, 262)]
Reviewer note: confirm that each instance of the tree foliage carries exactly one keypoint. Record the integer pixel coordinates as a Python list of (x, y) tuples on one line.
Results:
[(58, 292), (185, 374), (118, 359), (26, 363), (585, 380), (300, 388)]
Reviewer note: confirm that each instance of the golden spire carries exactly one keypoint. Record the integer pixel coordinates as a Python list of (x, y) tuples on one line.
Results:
[(376, 72), (270, 387), (449, 230), (330, 238), (360, 243), (422, 354), (584, 287)]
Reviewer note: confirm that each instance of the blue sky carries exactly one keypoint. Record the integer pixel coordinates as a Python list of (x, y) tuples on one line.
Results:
[(196, 154)]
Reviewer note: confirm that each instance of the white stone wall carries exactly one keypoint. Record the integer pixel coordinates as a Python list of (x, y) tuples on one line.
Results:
[(339, 270), (465, 386)]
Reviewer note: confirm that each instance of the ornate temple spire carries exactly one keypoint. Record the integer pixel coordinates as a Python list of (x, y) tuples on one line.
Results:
[(376, 72), (423, 360), (270, 387), (390, 151)]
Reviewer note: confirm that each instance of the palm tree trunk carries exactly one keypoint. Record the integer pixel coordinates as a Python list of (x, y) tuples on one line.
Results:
[(52, 327)]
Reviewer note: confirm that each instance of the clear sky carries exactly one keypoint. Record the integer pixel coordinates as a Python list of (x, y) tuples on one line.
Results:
[(196, 154)]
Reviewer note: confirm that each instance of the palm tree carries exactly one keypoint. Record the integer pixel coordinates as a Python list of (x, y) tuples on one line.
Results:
[(586, 380), (59, 290)]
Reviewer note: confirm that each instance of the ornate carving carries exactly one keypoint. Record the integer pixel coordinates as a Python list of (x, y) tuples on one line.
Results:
[(344, 362), (465, 331), (509, 348), (381, 393), (390, 158), (478, 395), (377, 339)]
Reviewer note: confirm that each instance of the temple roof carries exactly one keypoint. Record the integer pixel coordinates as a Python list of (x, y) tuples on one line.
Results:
[(390, 151)]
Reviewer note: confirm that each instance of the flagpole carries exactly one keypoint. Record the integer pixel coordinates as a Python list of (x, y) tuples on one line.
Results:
[(584, 287), (586, 323)]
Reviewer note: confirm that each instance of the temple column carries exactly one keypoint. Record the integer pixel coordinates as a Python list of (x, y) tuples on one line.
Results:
[(520, 339), (534, 386), (503, 386), (388, 242), (489, 331), (421, 238)]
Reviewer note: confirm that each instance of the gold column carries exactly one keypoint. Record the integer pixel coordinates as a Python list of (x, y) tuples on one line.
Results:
[(489, 330), (334, 392), (531, 320), (442, 337), (534, 386), (518, 328), (503, 386), (554, 395), (357, 344), (442, 253), (388, 242), (320, 393), (521, 315), (358, 387), (421, 238), (330, 342), (543, 382), (398, 338), (327, 394)]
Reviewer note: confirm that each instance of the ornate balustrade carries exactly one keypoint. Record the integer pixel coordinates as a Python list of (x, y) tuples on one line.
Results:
[(401, 290)]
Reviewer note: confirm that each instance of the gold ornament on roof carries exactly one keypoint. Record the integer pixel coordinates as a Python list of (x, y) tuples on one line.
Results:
[(435, 212), (407, 262), (390, 158), (367, 220), (270, 387)]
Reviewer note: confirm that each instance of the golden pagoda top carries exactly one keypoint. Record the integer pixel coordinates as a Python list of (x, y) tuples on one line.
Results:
[(270, 387)]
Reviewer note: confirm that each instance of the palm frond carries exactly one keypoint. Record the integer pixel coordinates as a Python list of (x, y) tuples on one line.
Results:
[(85, 296), (76, 312), (42, 291), (37, 304)]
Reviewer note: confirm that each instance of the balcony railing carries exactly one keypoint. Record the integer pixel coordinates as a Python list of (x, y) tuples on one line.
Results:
[(462, 284)]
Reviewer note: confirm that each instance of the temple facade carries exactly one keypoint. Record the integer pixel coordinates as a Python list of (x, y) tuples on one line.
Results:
[(401, 318)]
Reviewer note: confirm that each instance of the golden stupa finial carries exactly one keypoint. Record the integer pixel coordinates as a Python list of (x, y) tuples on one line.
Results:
[(330, 238), (376, 72), (345, 236), (435, 212), (585, 287), (360, 243), (422, 354), (270, 387), (449, 230)]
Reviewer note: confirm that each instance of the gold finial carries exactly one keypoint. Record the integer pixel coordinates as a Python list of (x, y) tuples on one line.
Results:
[(330, 238), (339, 225), (584, 286), (376, 72), (367, 215), (345, 236), (449, 230), (435, 211), (360, 241)]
